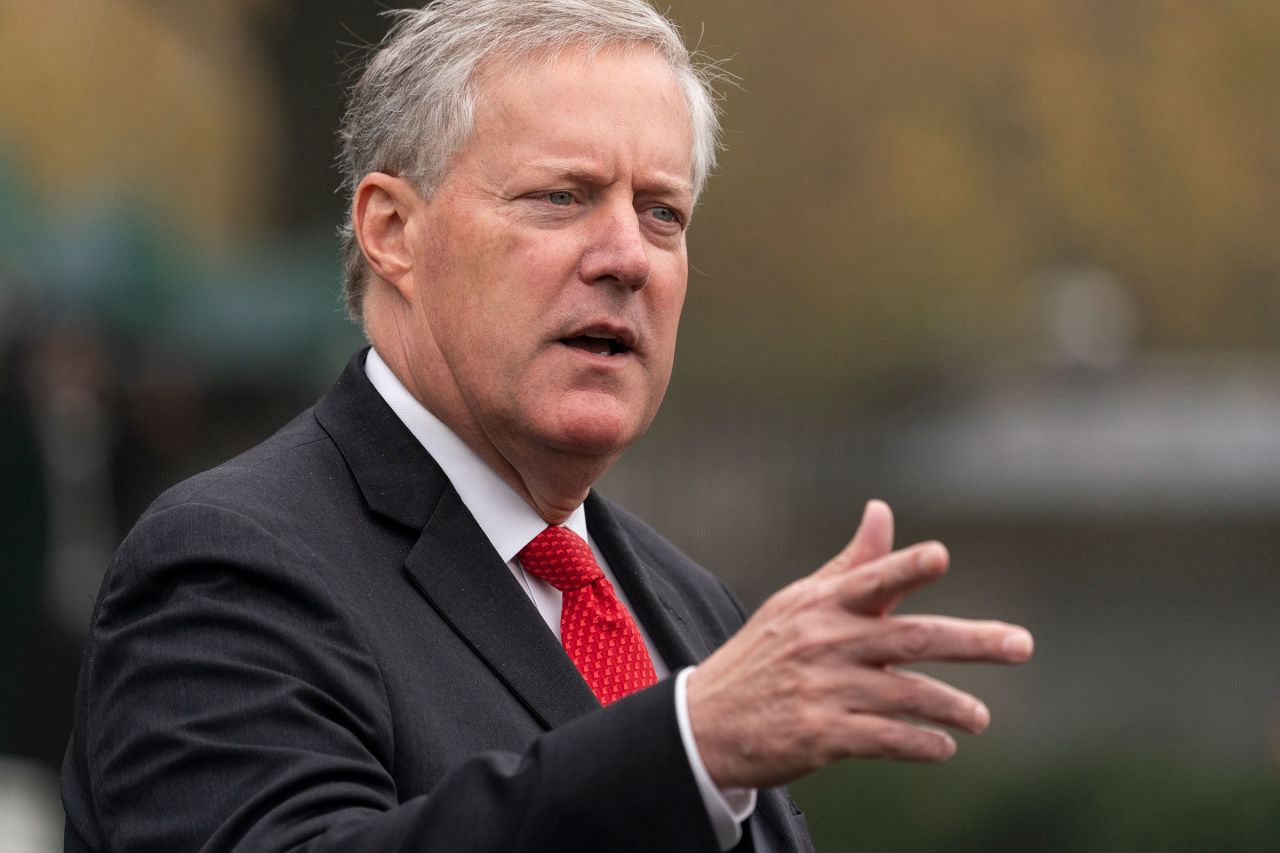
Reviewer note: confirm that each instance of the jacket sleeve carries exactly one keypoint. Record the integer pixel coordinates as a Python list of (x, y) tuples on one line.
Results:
[(228, 701)]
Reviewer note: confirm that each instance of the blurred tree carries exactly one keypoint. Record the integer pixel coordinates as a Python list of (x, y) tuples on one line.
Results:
[(170, 104), (896, 171)]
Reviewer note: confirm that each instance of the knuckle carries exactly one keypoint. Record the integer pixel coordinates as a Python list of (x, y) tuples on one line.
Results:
[(806, 733), (808, 689), (810, 733), (911, 742), (892, 739), (813, 640), (913, 699), (794, 690), (874, 582), (860, 589), (916, 639), (804, 595)]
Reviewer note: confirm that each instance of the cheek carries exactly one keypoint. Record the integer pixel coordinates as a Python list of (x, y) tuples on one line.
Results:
[(667, 301), (468, 273), (547, 256)]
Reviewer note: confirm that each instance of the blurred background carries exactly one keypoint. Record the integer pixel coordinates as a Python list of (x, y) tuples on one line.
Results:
[(1012, 267)]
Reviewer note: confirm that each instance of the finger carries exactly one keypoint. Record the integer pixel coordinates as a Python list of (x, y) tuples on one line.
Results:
[(879, 586), (873, 540), (896, 693), (874, 736), (912, 639)]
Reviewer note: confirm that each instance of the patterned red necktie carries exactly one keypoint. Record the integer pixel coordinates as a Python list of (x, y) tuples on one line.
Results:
[(598, 633)]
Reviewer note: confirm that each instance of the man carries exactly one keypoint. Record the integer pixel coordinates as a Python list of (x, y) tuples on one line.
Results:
[(346, 639)]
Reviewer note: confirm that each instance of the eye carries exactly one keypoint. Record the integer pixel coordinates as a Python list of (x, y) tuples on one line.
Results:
[(670, 218), (560, 197)]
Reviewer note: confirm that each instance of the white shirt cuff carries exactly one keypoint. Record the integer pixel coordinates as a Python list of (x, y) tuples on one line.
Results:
[(727, 808)]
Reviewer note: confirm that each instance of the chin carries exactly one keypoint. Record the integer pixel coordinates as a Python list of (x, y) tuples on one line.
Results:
[(597, 433)]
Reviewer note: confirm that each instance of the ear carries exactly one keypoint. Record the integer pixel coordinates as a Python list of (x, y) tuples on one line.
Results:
[(380, 214)]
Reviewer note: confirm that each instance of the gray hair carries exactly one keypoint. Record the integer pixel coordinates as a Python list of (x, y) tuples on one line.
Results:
[(412, 108)]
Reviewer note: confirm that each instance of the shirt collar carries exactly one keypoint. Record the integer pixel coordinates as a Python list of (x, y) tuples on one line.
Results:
[(507, 520)]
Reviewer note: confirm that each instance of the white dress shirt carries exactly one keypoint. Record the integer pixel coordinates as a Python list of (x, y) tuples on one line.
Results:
[(510, 523)]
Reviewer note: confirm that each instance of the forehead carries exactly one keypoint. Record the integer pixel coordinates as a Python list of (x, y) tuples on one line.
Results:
[(616, 102)]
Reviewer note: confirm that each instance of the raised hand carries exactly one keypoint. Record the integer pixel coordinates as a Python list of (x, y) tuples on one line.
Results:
[(812, 677)]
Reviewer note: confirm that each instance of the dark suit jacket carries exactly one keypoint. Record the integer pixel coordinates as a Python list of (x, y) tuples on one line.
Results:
[(314, 647)]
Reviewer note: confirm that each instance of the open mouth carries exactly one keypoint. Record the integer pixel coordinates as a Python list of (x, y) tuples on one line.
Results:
[(597, 344)]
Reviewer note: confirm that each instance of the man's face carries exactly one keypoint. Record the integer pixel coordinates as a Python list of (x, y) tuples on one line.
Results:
[(550, 264)]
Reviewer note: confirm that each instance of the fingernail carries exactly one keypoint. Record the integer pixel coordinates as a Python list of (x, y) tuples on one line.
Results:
[(981, 717), (1017, 644), (928, 557)]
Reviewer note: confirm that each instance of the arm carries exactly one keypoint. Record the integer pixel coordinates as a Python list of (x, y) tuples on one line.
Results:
[(229, 702)]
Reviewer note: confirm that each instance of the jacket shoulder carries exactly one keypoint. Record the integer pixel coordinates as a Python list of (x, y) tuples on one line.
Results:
[(288, 459)]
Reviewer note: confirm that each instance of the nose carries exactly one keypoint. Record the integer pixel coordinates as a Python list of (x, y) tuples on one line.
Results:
[(618, 252)]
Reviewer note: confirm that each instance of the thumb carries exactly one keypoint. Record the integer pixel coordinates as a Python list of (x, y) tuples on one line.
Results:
[(873, 540)]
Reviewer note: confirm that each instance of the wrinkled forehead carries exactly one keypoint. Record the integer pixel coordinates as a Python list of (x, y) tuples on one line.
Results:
[(494, 80)]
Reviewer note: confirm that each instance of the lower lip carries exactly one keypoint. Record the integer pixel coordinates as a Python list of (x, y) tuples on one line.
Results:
[(600, 359)]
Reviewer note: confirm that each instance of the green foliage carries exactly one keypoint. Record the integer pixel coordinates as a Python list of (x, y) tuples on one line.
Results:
[(1120, 801)]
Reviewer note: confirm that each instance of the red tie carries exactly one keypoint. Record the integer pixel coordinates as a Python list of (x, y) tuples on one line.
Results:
[(598, 633)]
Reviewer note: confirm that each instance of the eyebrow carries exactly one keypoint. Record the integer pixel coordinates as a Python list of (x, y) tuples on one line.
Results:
[(660, 184)]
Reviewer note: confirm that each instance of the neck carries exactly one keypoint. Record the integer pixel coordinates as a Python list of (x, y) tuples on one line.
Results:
[(554, 483), (554, 486)]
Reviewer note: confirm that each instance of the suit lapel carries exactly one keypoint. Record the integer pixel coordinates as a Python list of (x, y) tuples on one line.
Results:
[(452, 563), (657, 604), (398, 478), (456, 568)]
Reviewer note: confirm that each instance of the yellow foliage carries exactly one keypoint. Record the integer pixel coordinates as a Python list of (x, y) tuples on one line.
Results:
[(168, 103), (896, 173)]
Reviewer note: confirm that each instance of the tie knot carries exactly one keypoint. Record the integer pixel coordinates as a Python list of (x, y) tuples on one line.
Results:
[(562, 558)]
